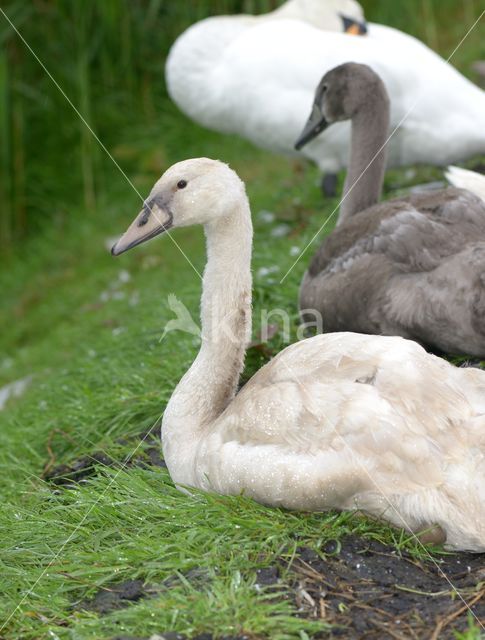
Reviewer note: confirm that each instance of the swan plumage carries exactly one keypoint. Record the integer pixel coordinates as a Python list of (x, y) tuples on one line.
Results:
[(257, 80), (413, 266), (466, 179), (344, 420)]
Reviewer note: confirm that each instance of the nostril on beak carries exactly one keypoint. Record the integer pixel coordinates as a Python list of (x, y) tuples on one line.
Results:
[(144, 217)]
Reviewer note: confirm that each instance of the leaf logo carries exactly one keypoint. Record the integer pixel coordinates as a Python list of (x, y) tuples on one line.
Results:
[(183, 321)]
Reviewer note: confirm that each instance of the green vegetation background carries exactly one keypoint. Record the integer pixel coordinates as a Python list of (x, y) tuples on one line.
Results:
[(86, 328), (109, 57)]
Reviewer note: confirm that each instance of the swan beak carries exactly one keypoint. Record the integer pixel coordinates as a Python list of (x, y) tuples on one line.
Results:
[(352, 26), (315, 124), (152, 220)]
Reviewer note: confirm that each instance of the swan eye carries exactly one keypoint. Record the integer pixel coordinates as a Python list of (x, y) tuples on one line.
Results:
[(181, 184), (324, 88)]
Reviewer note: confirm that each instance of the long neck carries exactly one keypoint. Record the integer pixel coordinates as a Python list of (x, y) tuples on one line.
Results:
[(210, 383), (225, 310), (363, 183)]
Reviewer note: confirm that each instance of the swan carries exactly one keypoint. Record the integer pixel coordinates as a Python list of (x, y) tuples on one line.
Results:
[(257, 79), (413, 267), (342, 420), (331, 15), (466, 179)]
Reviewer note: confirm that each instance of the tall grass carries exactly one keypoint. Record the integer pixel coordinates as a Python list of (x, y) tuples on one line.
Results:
[(109, 58), (6, 164)]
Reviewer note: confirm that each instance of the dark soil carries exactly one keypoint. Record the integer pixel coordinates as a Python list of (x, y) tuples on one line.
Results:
[(362, 588), (118, 596), (121, 594), (372, 592), (148, 454)]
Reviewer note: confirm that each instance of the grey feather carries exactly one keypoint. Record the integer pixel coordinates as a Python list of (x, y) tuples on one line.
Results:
[(413, 267)]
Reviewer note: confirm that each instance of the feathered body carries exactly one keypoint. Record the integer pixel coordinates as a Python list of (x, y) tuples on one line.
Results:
[(412, 267), (466, 179), (350, 421), (258, 80), (344, 421)]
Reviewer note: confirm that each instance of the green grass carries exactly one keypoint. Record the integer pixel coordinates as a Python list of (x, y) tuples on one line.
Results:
[(90, 338)]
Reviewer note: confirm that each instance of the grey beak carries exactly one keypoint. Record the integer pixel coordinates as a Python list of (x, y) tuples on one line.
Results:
[(315, 124), (152, 220)]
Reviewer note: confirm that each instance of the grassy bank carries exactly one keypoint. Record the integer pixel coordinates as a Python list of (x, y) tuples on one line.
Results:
[(84, 330)]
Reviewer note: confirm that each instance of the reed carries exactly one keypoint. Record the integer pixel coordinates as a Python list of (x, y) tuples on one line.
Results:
[(83, 16), (5, 155)]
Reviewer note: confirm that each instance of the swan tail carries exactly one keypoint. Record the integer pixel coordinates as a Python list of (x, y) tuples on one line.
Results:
[(461, 497), (456, 505), (459, 515), (466, 179), (458, 508)]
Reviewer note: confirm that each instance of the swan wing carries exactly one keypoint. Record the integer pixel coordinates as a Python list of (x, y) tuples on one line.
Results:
[(345, 384), (342, 420), (413, 234)]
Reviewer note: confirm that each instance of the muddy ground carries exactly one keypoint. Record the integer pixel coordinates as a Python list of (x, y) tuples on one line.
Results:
[(364, 589)]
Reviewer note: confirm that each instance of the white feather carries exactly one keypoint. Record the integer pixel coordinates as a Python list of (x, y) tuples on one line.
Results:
[(257, 78), (466, 179)]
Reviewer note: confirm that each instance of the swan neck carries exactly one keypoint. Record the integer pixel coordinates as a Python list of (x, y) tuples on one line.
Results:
[(211, 382), (226, 287), (365, 176)]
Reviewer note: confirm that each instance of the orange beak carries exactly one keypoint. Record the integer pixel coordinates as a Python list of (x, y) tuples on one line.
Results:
[(353, 27)]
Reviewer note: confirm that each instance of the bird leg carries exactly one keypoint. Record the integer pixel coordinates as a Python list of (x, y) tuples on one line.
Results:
[(328, 185), (432, 535)]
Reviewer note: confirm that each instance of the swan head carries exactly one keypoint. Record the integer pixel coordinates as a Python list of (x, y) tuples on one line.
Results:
[(196, 191), (330, 15), (342, 93)]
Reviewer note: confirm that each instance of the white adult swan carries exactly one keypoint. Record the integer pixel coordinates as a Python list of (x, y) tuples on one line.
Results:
[(413, 267), (257, 79), (466, 179), (341, 420)]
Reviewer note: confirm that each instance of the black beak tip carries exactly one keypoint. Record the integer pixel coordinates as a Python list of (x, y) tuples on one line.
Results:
[(113, 250)]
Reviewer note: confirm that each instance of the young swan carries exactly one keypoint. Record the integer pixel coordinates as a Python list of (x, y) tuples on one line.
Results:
[(411, 267), (337, 421)]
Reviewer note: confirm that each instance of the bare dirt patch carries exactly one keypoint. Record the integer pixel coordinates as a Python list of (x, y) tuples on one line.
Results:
[(371, 591), (147, 453), (362, 588)]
